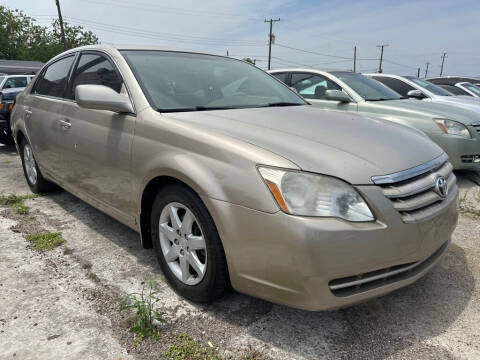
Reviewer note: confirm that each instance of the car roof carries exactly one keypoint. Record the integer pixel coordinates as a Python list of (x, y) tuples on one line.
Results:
[(111, 48)]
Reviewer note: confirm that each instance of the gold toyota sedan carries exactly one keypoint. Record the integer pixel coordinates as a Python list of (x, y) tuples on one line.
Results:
[(234, 179)]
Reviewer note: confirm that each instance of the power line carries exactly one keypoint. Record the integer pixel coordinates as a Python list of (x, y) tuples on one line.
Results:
[(312, 52), (322, 54), (398, 64), (149, 32), (165, 9), (160, 36), (270, 39)]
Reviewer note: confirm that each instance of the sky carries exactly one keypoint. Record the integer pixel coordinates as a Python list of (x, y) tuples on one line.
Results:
[(311, 33)]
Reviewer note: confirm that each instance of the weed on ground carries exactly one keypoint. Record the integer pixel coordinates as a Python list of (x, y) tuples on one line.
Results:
[(46, 241), (185, 348), (147, 318), (17, 202)]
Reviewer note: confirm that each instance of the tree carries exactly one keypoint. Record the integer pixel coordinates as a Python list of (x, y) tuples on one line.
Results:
[(22, 39)]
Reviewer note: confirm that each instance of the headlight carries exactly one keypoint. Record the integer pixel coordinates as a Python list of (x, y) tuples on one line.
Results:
[(451, 127), (305, 194)]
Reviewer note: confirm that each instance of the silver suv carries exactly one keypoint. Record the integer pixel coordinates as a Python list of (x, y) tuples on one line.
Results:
[(234, 179)]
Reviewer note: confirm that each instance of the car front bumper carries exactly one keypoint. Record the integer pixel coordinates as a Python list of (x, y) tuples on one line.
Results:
[(295, 260), (461, 152)]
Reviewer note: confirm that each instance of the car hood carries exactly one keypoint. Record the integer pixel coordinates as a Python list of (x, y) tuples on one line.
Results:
[(470, 103), (431, 109), (345, 145)]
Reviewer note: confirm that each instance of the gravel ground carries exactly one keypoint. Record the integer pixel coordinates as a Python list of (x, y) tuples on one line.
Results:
[(64, 303)]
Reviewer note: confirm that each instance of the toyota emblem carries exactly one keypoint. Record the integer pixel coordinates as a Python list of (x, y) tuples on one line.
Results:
[(441, 186)]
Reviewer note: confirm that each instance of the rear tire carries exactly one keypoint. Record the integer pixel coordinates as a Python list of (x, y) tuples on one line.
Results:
[(189, 251), (34, 177)]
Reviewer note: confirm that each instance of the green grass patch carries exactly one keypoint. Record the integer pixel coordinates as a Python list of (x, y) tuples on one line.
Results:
[(16, 202), (146, 316), (46, 241), (185, 348)]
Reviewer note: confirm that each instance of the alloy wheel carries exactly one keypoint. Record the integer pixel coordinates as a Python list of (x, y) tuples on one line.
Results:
[(183, 243), (30, 165)]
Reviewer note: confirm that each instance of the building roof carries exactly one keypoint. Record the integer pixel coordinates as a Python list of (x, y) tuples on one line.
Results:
[(19, 66)]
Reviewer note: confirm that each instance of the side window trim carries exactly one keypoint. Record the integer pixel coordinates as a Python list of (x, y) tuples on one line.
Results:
[(44, 70)]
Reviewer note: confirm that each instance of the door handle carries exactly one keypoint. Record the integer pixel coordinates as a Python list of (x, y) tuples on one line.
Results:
[(28, 113), (65, 124)]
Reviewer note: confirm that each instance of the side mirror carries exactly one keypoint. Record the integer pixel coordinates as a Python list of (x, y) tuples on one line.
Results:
[(337, 95), (100, 97), (416, 94)]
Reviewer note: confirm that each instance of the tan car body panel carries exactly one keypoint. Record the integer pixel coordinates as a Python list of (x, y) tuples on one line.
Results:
[(108, 159)]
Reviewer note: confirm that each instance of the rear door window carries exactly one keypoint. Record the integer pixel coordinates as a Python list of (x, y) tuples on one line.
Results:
[(53, 80), (398, 85)]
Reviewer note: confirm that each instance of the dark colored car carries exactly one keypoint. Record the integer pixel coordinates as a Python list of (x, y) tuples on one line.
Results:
[(7, 101)]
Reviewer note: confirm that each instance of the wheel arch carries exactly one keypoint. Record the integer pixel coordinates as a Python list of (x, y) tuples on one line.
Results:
[(148, 194)]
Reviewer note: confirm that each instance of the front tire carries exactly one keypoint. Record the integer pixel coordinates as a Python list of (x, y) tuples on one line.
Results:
[(34, 177), (187, 244)]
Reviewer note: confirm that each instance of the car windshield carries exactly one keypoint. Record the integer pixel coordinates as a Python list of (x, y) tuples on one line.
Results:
[(435, 89), (1, 79), (369, 89), (472, 88), (178, 81)]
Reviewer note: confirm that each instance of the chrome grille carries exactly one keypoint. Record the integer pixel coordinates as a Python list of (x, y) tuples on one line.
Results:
[(416, 198)]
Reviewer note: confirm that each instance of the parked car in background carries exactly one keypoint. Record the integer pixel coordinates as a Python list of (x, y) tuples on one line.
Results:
[(460, 88), (455, 129), (452, 80), (7, 101), (233, 178), (15, 81), (415, 88)]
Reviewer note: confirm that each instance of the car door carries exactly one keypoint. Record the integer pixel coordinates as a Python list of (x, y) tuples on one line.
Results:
[(313, 88), (101, 141), (43, 113)]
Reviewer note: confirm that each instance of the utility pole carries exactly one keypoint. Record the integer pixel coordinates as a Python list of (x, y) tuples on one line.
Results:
[(418, 73), (227, 52), (270, 39), (443, 61), (426, 69), (355, 59), (60, 19), (381, 57)]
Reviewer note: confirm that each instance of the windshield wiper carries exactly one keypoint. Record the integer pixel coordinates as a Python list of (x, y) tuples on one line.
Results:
[(381, 99), (282, 103), (196, 108), (207, 108)]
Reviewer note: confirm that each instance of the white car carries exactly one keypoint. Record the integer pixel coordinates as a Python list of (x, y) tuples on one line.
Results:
[(412, 87), (15, 81), (462, 88)]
